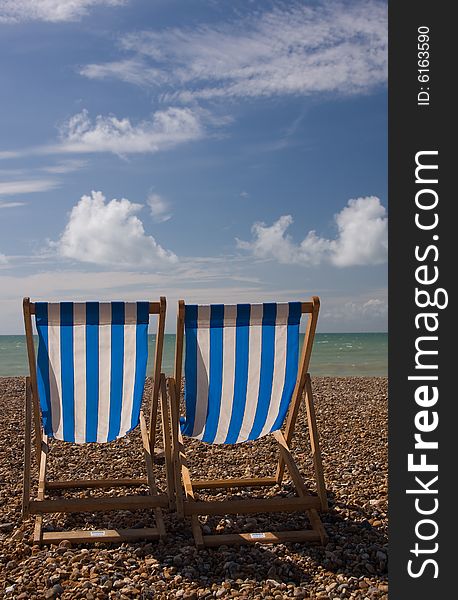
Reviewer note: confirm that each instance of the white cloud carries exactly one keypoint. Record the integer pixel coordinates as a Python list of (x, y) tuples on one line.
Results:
[(362, 238), (65, 166), (3, 259), (80, 135), (134, 71), (293, 49), (109, 233), (159, 208), (11, 204), (49, 10), (27, 186)]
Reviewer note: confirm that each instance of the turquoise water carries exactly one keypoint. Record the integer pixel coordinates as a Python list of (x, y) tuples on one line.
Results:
[(334, 354)]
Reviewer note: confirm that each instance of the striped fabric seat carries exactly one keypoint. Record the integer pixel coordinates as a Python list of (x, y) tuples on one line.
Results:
[(241, 366), (91, 368)]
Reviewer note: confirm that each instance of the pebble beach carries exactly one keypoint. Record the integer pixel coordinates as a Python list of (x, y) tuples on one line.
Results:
[(352, 423)]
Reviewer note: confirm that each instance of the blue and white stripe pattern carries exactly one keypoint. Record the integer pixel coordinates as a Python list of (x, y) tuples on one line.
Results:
[(91, 368), (240, 369)]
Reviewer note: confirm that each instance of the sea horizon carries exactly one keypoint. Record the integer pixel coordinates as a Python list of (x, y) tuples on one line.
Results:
[(334, 354)]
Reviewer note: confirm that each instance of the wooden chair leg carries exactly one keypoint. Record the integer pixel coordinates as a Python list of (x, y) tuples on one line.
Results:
[(176, 448), (27, 450), (165, 422), (150, 474), (315, 445), (37, 534), (314, 518)]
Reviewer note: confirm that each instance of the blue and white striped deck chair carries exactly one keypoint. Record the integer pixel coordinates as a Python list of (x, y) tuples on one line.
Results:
[(243, 381), (86, 385)]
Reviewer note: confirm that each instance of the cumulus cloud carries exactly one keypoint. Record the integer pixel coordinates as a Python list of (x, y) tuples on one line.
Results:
[(14, 11), (294, 49), (362, 238), (109, 233), (159, 208)]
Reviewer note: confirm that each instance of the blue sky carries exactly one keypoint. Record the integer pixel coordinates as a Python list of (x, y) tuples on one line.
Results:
[(212, 150)]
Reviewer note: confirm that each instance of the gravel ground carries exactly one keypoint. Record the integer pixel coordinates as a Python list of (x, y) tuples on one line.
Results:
[(352, 420)]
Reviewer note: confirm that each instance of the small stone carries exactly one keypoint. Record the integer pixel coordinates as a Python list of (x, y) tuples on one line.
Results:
[(221, 592), (178, 560), (331, 586), (56, 591), (6, 527), (9, 589), (272, 583), (22, 596), (376, 523), (381, 556), (370, 568), (65, 544), (10, 565)]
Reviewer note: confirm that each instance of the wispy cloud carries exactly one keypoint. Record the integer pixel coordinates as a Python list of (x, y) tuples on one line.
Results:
[(159, 208), (80, 135), (295, 49), (109, 233), (65, 166), (13, 11), (11, 204), (362, 238), (27, 186)]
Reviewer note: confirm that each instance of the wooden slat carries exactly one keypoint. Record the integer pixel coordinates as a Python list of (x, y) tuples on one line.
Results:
[(255, 505), (41, 489), (27, 450), (267, 537), (165, 423), (95, 483), (157, 366), (26, 308), (315, 445), (150, 474), (179, 346), (66, 505), (290, 463), (176, 447), (209, 484), (109, 535)]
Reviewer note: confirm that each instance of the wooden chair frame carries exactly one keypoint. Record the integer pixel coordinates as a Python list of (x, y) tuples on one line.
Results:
[(187, 506), (41, 505)]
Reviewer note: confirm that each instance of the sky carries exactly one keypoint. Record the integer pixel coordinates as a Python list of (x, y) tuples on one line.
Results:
[(200, 149)]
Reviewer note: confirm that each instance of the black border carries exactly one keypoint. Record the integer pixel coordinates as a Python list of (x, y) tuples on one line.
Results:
[(414, 128)]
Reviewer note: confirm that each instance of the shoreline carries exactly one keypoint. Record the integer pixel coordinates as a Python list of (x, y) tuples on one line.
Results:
[(352, 423)]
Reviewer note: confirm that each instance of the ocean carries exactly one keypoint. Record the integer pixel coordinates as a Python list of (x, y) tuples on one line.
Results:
[(334, 354)]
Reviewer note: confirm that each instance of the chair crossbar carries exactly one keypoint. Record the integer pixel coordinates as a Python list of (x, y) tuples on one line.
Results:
[(95, 483), (266, 537), (69, 505), (104, 535), (209, 484)]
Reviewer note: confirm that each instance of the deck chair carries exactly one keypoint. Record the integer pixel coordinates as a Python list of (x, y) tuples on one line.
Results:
[(86, 385), (244, 380)]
